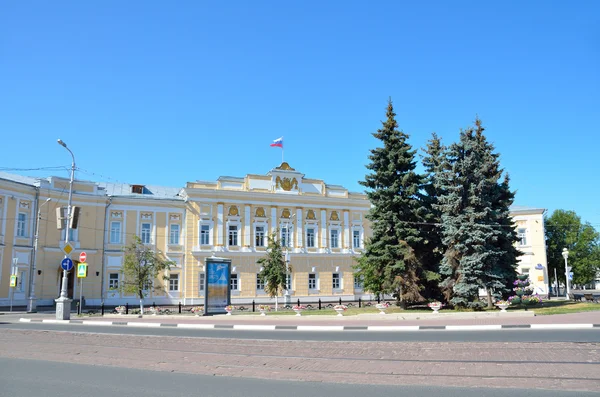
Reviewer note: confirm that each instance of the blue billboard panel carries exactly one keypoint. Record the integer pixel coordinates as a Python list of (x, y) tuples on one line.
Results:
[(216, 291)]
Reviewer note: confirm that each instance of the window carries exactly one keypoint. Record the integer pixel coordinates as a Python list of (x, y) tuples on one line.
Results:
[(356, 238), (21, 284), (233, 235), (310, 238), (260, 283), (335, 284), (233, 282), (288, 282), (259, 236), (312, 281), (201, 282), (174, 282), (525, 270), (72, 234), (113, 281), (358, 281), (174, 235), (22, 225), (204, 235), (146, 227), (334, 238), (285, 236), (115, 232), (148, 285), (522, 235)]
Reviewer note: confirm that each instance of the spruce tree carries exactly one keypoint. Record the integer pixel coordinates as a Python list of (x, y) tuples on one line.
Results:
[(434, 162), (475, 221), (391, 262)]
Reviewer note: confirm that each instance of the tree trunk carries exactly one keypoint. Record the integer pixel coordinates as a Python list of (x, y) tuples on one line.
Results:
[(490, 304), (141, 305)]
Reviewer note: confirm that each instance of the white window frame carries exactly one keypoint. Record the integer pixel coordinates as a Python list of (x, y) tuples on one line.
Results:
[(73, 235), (358, 282), (335, 231), (233, 237), (149, 234), (113, 284), (522, 235), (176, 234), (333, 281), (22, 225), (288, 282), (315, 287), (201, 282), (314, 237), (174, 282), (208, 235), (264, 235), (356, 239), (234, 282), (115, 233), (260, 283), (22, 275)]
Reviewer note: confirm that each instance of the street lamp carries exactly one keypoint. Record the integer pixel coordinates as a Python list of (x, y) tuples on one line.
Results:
[(63, 303), (32, 307), (565, 254), (286, 294)]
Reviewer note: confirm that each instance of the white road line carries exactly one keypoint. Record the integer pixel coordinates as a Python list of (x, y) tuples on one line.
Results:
[(392, 328), (249, 327), (196, 326), (320, 328), (92, 322), (144, 325), (561, 326), (472, 327)]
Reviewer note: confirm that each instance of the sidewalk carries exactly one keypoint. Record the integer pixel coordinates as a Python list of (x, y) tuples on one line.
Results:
[(306, 322)]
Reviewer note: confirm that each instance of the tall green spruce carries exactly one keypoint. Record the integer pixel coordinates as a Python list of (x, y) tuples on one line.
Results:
[(434, 162), (392, 260), (477, 232)]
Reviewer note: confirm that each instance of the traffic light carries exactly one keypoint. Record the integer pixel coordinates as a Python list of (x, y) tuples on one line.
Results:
[(74, 217), (61, 218)]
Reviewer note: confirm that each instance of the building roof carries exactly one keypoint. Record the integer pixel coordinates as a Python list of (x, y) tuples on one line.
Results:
[(149, 191), (523, 208), (25, 180)]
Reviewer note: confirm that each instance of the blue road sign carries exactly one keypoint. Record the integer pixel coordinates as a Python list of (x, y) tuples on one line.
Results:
[(67, 264), (570, 275)]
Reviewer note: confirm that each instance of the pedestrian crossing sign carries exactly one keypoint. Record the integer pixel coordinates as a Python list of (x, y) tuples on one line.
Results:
[(82, 270), (13, 281)]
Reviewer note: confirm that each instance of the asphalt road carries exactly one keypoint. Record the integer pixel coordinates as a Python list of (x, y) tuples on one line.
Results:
[(506, 335), (26, 378)]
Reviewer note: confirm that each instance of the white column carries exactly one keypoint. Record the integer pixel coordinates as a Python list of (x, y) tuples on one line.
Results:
[(219, 228), (299, 231), (346, 230), (274, 223), (247, 237), (323, 229)]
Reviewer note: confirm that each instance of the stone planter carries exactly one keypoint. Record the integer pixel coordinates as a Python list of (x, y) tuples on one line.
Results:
[(381, 308), (435, 308), (340, 312), (502, 307), (298, 312)]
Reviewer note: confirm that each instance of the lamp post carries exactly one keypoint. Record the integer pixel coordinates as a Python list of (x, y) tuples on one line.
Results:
[(286, 295), (32, 307), (565, 254), (63, 303)]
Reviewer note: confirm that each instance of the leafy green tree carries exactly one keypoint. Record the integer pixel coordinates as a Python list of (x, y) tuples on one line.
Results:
[(275, 269), (141, 267), (564, 229), (391, 262)]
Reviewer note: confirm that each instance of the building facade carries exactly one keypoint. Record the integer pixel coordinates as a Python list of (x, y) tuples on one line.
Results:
[(322, 227)]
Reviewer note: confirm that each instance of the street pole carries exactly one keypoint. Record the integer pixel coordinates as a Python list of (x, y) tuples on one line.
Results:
[(13, 271), (63, 303), (556, 283), (565, 254), (32, 307)]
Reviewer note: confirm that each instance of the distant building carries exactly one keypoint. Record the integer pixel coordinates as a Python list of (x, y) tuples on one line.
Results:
[(323, 227)]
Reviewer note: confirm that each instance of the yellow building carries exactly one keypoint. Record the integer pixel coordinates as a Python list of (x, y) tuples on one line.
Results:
[(323, 227)]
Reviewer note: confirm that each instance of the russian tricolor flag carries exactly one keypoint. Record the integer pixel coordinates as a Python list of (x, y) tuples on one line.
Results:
[(278, 143)]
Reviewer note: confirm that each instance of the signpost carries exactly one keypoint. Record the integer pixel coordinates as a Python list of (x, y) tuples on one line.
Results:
[(13, 280), (66, 264), (81, 274)]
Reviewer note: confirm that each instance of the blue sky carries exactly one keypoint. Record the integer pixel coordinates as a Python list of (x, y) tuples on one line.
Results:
[(163, 93)]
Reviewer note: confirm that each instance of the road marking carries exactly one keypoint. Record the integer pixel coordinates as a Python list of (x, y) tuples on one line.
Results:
[(561, 326), (392, 328), (92, 322), (472, 327), (320, 328), (196, 326), (255, 327), (145, 325), (25, 320)]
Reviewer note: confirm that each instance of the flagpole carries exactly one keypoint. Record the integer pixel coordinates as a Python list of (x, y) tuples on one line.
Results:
[(282, 154)]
